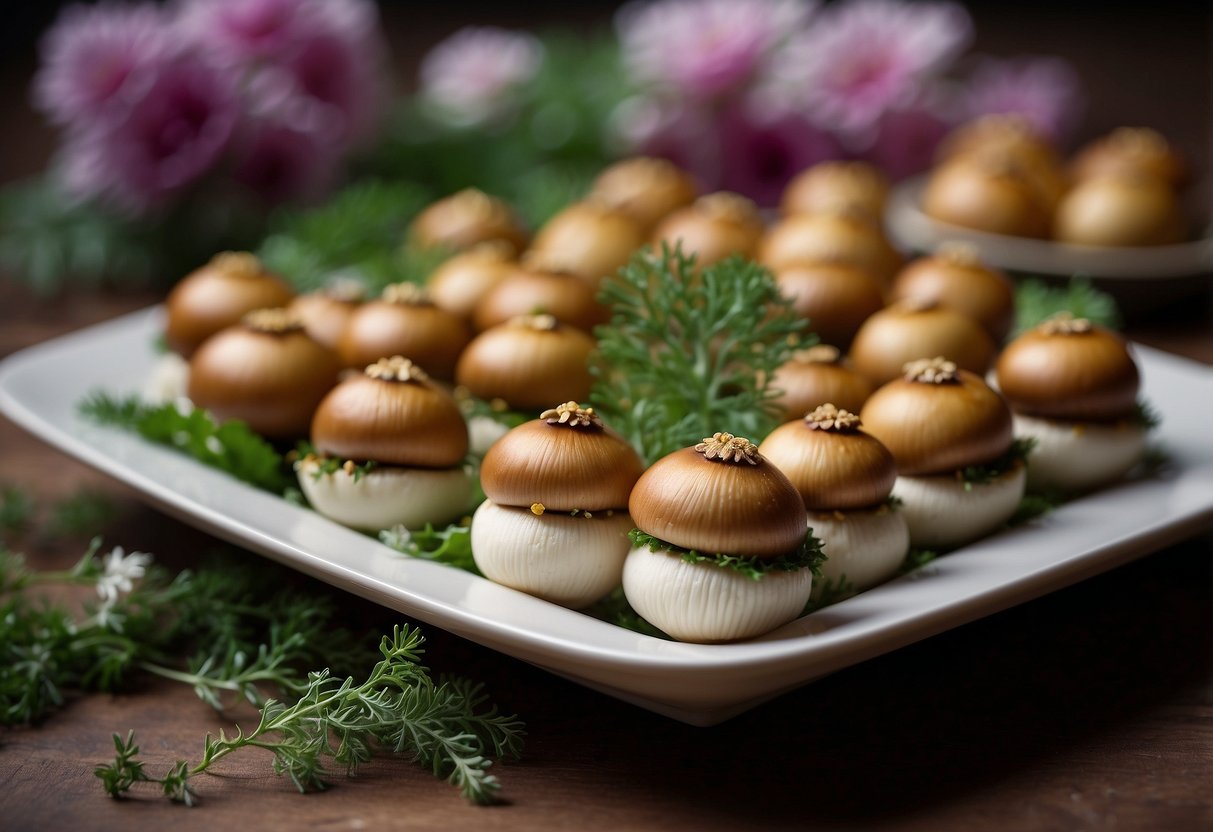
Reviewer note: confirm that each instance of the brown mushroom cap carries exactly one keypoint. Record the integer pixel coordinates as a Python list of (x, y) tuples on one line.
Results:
[(856, 188), (721, 504), (570, 465), (218, 295), (833, 464), (1125, 210), (956, 278), (267, 372), (818, 376), (588, 239), (932, 427), (526, 291), (988, 193), (645, 188), (914, 329), (465, 219), (1069, 369), (832, 238), (836, 297), (714, 227), (1137, 151), (325, 314), (391, 413), (459, 283), (527, 362), (404, 322)]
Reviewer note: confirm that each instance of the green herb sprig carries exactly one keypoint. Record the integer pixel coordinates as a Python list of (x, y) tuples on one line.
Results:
[(1037, 301), (806, 556), (988, 472), (444, 726), (229, 446), (690, 353), (359, 232), (451, 545)]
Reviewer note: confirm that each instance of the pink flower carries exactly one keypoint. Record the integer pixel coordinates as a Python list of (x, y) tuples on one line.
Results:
[(329, 54), (279, 162), (472, 76), (98, 60), (683, 134), (705, 48), (863, 57), (1044, 90), (906, 135), (763, 147), (173, 135)]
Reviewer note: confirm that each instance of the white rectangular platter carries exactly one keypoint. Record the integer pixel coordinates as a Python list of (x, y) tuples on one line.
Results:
[(41, 387)]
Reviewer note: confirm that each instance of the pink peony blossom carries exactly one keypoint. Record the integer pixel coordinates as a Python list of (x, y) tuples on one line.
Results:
[(328, 54), (763, 147), (98, 60), (1044, 90), (172, 136), (864, 57), (705, 48), (470, 77)]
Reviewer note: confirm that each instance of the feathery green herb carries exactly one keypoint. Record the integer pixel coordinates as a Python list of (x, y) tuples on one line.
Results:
[(442, 725), (690, 353), (1037, 301), (828, 592), (986, 473), (238, 628), (229, 446), (806, 556), (359, 233)]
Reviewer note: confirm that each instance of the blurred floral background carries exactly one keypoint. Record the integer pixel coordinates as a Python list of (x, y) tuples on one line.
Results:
[(186, 127)]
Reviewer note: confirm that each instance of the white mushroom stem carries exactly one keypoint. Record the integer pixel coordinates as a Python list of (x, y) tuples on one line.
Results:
[(862, 548), (569, 560), (387, 496), (705, 603), (941, 512), (483, 431), (1077, 456)]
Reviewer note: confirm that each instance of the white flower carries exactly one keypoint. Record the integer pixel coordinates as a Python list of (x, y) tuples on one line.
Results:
[(121, 570)]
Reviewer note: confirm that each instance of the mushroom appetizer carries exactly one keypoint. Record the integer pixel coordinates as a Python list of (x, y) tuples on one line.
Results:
[(459, 282), (589, 239), (816, 376), (389, 449), (404, 321), (955, 277), (844, 477), (1073, 388), (712, 228), (960, 471), (522, 365), (265, 370), (722, 548), (466, 218), (645, 188), (217, 296), (326, 311), (853, 187), (837, 237), (555, 521), (916, 328)]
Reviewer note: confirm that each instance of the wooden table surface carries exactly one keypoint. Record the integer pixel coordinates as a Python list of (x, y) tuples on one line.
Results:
[(1090, 708)]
